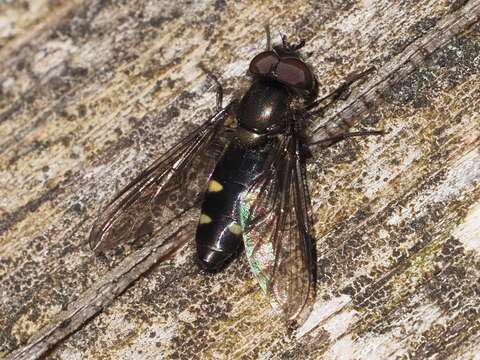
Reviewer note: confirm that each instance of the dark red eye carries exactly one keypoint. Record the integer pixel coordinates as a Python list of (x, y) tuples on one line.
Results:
[(296, 73), (264, 63)]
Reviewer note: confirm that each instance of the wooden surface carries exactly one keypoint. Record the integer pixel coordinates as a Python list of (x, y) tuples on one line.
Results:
[(92, 92)]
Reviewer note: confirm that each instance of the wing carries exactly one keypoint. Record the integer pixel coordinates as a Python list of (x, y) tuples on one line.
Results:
[(275, 218), (171, 185)]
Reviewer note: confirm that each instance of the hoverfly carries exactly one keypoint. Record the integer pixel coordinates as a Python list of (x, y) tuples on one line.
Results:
[(251, 177)]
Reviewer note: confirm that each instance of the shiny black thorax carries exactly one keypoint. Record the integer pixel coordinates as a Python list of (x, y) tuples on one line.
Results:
[(263, 108), (261, 115)]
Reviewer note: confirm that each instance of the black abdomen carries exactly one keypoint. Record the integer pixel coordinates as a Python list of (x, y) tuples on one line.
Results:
[(219, 234)]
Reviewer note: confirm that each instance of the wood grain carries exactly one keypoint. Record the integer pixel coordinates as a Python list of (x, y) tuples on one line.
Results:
[(91, 92)]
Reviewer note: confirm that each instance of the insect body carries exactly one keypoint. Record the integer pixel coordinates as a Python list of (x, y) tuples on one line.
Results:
[(256, 189), (260, 117), (219, 233)]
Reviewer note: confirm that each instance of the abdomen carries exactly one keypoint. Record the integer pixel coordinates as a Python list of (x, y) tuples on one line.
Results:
[(219, 234)]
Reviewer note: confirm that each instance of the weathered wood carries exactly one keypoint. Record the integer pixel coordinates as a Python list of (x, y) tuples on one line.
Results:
[(396, 218), (342, 116), (101, 294)]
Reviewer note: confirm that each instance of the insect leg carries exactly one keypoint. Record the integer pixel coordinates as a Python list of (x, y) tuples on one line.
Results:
[(284, 41), (292, 47), (341, 92), (219, 88), (299, 45)]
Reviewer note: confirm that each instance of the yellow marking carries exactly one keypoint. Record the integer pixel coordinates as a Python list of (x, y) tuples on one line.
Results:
[(235, 228), (214, 186), (205, 219)]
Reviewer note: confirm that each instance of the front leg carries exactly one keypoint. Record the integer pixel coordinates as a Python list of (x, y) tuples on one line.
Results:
[(218, 85), (341, 92)]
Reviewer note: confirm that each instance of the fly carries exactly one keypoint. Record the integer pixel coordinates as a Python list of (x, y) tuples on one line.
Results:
[(252, 180)]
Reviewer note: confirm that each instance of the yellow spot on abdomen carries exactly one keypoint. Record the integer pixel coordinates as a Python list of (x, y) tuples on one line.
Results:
[(205, 219), (214, 186), (235, 228)]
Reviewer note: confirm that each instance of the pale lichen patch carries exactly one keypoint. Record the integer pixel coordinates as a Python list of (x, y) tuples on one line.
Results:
[(322, 312), (468, 232)]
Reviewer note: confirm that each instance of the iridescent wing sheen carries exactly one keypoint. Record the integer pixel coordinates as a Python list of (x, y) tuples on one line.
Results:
[(171, 185), (274, 213)]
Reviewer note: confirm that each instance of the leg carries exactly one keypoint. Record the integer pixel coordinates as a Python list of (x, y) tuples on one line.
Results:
[(285, 43), (334, 139), (341, 92), (219, 88), (291, 47)]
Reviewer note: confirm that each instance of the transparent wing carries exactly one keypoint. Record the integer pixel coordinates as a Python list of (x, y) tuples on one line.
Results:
[(275, 217), (171, 185)]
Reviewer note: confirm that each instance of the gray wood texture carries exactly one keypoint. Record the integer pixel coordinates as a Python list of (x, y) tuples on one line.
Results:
[(92, 92)]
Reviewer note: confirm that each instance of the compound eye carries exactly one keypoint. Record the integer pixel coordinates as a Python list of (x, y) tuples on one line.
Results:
[(295, 73), (264, 63)]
